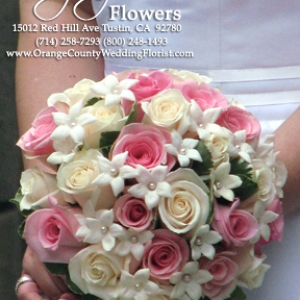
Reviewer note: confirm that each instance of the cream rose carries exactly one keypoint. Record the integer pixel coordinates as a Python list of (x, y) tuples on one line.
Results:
[(97, 272), (110, 118), (187, 75), (76, 177), (266, 189), (36, 187), (80, 91), (254, 275), (189, 205), (167, 109), (218, 143)]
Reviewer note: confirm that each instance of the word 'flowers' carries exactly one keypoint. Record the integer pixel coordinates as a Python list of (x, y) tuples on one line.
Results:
[(159, 189)]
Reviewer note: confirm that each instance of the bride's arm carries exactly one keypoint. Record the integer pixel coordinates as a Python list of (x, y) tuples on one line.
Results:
[(36, 79), (287, 141)]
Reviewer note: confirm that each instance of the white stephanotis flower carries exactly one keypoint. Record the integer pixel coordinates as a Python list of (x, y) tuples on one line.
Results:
[(280, 177), (71, 124), (98, 227), (133, 242), (138, 286), (265, 147), (114, 172), (65, 151), (243, 149), (183, 149), (223, 182), (278, 170), (58, 97), (270, 173), (151, 185), (263, 217), (114, 90), (202, 242), (199, 118), (188, 281)]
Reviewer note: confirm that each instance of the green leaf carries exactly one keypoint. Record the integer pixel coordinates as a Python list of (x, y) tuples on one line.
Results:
[(211, 209), (89, 297), (63, 270), (18, 198), (92, 101), (107, 139), (73, 287), (26, 212), (244, 171), (156, 220), (204, 167), (132, 115), (240, 167), (237, 294), (14, 201), (21, 229), (247, 189), (57, 268)]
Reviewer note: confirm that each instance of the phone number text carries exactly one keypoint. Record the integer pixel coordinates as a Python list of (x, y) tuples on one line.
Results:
[(106, 42)]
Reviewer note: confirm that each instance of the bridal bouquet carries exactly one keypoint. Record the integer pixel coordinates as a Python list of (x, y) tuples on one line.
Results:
[(153, 186)]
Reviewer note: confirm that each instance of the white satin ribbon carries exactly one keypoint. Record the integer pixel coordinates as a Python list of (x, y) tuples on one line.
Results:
[(252, 74), (267, 98)]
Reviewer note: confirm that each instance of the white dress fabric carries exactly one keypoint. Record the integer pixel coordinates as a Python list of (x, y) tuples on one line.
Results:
[(251, 50)]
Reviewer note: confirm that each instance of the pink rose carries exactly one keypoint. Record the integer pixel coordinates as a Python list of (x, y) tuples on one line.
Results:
[(147, 86), (205, 96), (276, 226), (133, 213), (167, 254), (235, 118), (150, 84), (145, 145), (236, 226), (224, 271), (36, 141), (50, 232)]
